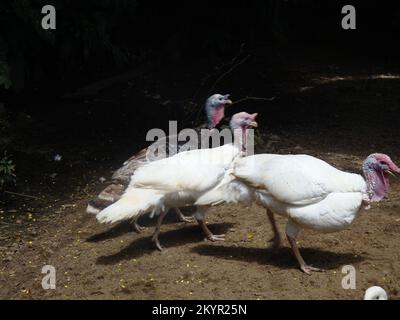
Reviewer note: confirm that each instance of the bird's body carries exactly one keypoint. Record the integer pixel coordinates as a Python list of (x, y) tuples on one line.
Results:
[(305, 189), (308, 191), (180, 180), (163, 147)]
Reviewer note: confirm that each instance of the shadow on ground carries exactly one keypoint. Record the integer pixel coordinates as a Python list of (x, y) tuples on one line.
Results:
[(169, 239), (282, 257), (126, 227)]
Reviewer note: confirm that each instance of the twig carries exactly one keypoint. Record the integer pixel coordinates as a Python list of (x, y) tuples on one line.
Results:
[(254, 98), (22, 195), (234, 66), (209, 76), (7, 224)]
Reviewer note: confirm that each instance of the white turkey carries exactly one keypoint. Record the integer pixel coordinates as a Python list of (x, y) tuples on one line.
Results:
[(179, 180), (214, 109), (308, 191), (375, 293)]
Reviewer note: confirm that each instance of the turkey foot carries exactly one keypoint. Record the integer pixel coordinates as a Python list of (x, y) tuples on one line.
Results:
[(275, 242), (157, 243), (210, 236), (307, 269), (182, 217), (216, 237), (303, 266), (136, 227)]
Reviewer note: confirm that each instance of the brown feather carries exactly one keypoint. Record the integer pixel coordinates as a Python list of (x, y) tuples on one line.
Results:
[(120, 181)]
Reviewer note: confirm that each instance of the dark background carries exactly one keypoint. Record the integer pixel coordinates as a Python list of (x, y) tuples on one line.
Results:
[(94, 39)]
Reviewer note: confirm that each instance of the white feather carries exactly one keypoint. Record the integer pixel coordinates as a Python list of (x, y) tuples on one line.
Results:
[(172, 182), (307, 190), (134, 202)]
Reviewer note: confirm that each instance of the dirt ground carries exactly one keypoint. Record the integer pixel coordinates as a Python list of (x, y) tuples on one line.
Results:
[(338, 109)]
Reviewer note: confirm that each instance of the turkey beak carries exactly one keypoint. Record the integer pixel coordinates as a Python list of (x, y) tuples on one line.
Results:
[(253, 124), (228, 102), (394, 173)]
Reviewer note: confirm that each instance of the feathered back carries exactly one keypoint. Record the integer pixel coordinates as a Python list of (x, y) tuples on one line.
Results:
[(296, 179)]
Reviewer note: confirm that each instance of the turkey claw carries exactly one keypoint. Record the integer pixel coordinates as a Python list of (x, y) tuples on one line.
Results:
[(136, 227), (307, 269), (216, 237), (186, 219)]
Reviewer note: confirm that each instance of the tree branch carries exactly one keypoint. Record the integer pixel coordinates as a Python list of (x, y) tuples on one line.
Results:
[(254, 98), (22, 195)]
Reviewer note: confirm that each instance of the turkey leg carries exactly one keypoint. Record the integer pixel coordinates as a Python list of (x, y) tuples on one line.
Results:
[(199, 216), (157, 230), (182, 217), (135, 226), (276, 239), (303, 266)]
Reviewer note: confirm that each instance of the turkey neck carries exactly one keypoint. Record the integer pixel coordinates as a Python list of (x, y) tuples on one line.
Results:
[(377, 184), (240, 138), (218, 116)]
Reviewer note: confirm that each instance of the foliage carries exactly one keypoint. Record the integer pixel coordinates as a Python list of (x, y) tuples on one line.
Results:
[(7, 171), (4, 124)]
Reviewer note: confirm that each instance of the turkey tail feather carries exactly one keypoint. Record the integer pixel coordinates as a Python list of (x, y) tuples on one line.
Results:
[(105, 198), (120, 181), (133, 203)]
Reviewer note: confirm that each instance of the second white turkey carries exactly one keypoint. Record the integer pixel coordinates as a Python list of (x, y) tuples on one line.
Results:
[(308, 191)]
